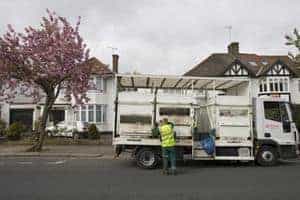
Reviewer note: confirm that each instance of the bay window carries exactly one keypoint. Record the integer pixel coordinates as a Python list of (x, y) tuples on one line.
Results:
[(93, 113), (274, 84), (98, 113)]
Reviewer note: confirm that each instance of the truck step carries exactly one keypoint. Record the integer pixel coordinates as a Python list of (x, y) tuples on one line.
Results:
[(200, 153)]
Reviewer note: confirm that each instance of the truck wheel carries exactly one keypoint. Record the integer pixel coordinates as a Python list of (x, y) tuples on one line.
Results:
[(267, 156), (147, 158)]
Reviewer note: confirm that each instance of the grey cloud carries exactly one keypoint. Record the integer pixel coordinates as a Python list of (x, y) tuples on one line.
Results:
[(166, 36)]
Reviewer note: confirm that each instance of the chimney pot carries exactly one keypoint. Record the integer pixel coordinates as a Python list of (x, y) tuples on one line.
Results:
[(115, 63), (233, 49)]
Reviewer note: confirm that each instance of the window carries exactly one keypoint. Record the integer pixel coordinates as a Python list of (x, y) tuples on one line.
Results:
[(91, 83), (91, 113), (272, 111), (98, 113), (271, 85), (274, 84), (97, 83), (77, 114), (83, 113), (276, 111), (298, 85), (104, 111)]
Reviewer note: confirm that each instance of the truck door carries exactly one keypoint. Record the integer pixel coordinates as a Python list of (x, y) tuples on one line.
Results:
[(278, 123)]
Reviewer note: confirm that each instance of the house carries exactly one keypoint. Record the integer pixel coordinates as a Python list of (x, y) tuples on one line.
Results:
[(270, 75), (98, 110)]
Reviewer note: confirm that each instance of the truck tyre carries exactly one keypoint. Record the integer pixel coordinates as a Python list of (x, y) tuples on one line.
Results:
[(147, 158), (267, 156)]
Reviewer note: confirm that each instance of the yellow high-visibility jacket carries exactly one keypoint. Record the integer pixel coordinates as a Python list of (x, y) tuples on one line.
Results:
[(167, 135)]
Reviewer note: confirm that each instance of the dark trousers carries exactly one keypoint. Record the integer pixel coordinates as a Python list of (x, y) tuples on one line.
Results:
[(169, 156)]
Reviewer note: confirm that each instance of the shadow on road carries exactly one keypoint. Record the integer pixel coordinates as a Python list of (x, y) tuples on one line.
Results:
[(190, 166)]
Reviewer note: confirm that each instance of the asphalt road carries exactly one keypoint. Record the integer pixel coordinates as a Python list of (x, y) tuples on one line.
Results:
[(57, 178)]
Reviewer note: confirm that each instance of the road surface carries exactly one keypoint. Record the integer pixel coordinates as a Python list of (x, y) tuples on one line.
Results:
[(84, 179)]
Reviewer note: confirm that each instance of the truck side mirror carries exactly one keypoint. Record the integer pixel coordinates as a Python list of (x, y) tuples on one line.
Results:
[(286, 125)]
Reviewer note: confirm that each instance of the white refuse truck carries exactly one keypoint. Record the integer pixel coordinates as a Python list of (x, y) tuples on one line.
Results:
[(241, 127)]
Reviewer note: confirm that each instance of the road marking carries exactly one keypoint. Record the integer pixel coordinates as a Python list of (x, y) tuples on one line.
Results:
[(24, 163), (57, 162)]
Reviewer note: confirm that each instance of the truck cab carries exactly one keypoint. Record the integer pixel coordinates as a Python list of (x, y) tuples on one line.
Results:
[(276, 135)]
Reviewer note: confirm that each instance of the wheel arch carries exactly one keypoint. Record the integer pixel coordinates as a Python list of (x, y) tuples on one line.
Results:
[(138, 148), (272, 143)]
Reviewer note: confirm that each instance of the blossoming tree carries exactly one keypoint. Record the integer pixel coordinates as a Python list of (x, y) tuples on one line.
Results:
[(40, 62)]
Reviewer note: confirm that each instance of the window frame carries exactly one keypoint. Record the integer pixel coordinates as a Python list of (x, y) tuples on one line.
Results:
[(275, 84), (82, 113), (282, 108), (95, 79)]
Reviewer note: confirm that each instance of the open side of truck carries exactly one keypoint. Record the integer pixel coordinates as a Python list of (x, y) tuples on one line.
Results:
[(219, 109)]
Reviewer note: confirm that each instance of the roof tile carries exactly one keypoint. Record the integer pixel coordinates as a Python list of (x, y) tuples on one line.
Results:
[(216, 63)]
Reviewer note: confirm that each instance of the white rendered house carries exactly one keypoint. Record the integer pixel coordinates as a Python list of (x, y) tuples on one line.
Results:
[(97, 110), (270, 75)]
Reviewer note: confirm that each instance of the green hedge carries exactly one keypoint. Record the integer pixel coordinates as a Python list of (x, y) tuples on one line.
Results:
[(15, 131), (2, 127), (93, 132)]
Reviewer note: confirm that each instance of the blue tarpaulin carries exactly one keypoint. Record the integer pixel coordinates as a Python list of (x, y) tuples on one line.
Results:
[(208, 143)]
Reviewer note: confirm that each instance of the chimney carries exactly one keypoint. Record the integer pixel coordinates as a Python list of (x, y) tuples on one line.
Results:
[(233, 49), (115, 63)]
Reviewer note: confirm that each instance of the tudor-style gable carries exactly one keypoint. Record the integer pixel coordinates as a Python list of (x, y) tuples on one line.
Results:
[(236, 69), (234, 63), (270, 74), (278, 69)]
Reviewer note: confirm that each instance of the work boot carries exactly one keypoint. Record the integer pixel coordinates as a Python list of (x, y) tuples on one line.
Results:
[(165, 172)]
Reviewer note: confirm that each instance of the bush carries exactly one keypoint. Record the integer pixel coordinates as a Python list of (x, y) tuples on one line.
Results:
[(93, 132), (2, 127), (15, 131)]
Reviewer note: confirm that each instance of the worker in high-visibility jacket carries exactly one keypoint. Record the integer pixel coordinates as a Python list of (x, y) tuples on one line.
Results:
[(168, 147)]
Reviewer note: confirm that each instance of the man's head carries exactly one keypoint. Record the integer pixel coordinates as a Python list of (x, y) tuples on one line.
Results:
[(165, 121)]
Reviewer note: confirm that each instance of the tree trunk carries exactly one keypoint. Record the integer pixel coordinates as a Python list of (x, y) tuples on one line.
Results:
[(37, 147)]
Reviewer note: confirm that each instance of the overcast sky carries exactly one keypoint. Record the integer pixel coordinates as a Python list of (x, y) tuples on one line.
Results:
[(166, 37)]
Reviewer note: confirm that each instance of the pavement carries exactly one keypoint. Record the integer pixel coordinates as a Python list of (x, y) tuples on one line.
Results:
[(87, 151), (95, 178)]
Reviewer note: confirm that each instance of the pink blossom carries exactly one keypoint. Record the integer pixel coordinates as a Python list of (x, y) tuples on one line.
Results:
[(45, 58)]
